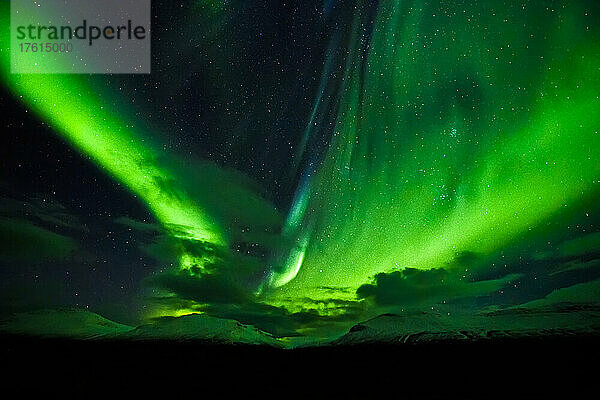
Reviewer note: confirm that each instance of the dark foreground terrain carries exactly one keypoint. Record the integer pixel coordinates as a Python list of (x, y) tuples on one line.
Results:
[(514, 367)]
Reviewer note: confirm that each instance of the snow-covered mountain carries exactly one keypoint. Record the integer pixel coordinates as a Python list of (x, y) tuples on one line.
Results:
[(82, 324), (426, 327), (201, 327), (68, 323), (563, 319)]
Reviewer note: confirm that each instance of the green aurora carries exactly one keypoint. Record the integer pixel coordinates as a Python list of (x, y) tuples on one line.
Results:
[(465, 137), (459, 133)]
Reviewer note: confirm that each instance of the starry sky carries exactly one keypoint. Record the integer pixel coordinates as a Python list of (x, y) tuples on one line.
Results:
[(302, 166)]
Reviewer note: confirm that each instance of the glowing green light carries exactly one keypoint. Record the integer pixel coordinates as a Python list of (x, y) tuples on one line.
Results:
[(78, 114)]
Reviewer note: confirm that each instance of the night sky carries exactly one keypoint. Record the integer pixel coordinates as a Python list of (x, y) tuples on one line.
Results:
[(301, 166)]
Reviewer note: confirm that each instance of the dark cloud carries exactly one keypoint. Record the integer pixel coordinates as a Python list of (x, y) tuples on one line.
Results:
[(581, 293), (584, 247), (21, 240), (564, 262), (581, 246), (334, 289), (37, 229), (138, 225), (412, 286), (202, 288), (44, 211), (575, 265)]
